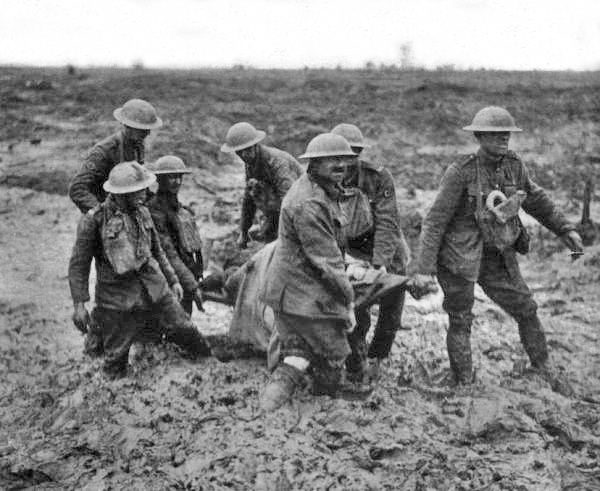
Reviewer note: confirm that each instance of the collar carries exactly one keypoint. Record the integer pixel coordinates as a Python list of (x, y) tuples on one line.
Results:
[(489, 160), (169, 198), (333, 190)]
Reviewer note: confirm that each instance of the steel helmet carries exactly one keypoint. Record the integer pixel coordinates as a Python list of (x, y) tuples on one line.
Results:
[(493, 118), (240, 136), (327, 145), (351, 133), (128, 177), (168, 164), (137, 113)]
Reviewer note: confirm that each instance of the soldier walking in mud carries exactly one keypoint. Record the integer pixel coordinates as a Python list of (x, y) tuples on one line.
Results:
[(176, 226), (137, 117), (133, 273), (379, 240), (269, 174), (308, 288), (465, 241)]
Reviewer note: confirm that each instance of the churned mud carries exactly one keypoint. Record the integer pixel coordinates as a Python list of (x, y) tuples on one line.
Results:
[(173, 424)]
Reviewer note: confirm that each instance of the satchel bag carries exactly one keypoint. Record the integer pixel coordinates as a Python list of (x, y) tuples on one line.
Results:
[(499, 224)]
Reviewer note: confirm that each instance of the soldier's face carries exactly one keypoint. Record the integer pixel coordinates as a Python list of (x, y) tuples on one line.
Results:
[(135, 134), (169, 183), (331, 169), (247, 154), (132, 201), (494, 143)]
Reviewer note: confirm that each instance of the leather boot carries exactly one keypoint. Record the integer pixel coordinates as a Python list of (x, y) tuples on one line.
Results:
[(281, 386), (533, 338)]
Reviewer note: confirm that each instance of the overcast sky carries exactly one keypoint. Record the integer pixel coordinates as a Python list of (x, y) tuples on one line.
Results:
[(509, 34)]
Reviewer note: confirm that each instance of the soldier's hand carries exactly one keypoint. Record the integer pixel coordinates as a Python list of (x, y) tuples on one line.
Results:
[(198, 299), (351, 318), (381, 268), (421, 285), (573, 241), (81, 317), (242, 240), (177, 291)]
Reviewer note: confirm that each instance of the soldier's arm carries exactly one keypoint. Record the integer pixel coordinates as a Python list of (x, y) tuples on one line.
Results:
[(161, 258), (248, 212), (437, 219), (317, 238), (186, 277), (285, 172), (541, 207), (387, 226), (93, 173), (86, 245)]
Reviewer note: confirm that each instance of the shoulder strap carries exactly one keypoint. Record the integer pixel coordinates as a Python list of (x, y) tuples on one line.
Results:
[(478, 199)]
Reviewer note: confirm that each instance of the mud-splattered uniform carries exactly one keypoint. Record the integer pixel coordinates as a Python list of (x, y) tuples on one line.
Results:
[(86, 187), (180, 240), (132, 285), (452, 247), (268, 178), (308, 288), (383, 245)]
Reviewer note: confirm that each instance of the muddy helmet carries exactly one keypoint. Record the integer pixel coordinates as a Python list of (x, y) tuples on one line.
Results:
[(241, 135), (128, 177), (327, 145), (351, 133), (168, 164), (493, 118), (137, 113)]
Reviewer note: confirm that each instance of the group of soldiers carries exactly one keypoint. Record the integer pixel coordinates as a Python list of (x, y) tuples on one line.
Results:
[(334, 229)]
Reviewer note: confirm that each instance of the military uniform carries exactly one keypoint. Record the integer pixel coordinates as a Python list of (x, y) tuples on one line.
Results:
[(132, 286), (268, 178), (308, 288), (86, 187), (180, 240), (383, 244), (452, 248)]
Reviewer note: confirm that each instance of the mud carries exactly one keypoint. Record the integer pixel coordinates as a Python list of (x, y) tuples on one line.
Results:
[(174, 424)]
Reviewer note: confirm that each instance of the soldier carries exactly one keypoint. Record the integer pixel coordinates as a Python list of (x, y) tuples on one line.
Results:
[(381, 243), (133, 273), (137, 117), (308, 289), (453, 246), (269, 174), (176, 226)]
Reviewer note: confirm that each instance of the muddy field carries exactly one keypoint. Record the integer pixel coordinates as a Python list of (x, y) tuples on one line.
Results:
[(178, 425)]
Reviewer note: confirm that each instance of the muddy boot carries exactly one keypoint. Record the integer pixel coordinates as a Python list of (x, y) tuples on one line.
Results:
[(373, 369), (533, 338), (281, 386), (93, 346), (459, 352), (327, 378), (558, 382)]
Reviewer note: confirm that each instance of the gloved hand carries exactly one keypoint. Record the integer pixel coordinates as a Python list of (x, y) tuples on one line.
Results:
[(351, 318), (177, 291), (81, 317), (198, 299), (573, 241)]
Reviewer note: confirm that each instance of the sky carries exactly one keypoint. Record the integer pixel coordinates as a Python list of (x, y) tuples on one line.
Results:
[(509, 34)]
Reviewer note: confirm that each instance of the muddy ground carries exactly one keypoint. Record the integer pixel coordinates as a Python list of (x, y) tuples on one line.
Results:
[(180, 425)]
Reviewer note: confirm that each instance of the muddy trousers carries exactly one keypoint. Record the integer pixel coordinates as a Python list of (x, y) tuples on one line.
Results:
[(389, 322), (120, 329), (501, 280), (322, 342)]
